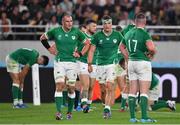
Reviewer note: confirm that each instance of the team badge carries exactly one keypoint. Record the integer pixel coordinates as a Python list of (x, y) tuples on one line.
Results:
[(114, 40), (73, 37)]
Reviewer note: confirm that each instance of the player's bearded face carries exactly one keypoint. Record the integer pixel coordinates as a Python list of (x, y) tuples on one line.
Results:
[(92, 28), (67, 22)]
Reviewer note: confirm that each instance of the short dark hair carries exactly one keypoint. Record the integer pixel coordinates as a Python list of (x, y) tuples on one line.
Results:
[(65, 14), (106, 17), (140, 16), (46, 60), (118, 28), (82, 26), (89, 21)]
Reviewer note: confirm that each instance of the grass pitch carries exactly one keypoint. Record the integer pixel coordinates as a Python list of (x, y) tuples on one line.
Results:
[(45, 114)]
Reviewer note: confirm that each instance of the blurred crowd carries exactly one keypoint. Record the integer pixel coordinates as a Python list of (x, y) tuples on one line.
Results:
[(49, 12)]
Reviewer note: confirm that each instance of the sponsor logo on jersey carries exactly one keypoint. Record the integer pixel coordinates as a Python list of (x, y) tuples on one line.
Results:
[(73, 37), (59, 36), (66, 35), (114, 40), (108, 38)]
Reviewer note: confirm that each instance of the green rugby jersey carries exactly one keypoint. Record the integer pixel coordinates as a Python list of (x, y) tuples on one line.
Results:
[(25, 56), (66, 42), (154, 81), (107, 46), (80, 47), (135, 41), (127, 28)]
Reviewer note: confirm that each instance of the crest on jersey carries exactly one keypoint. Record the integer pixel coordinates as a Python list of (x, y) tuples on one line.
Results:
[(100, 41), (73, 37), (114, 40)]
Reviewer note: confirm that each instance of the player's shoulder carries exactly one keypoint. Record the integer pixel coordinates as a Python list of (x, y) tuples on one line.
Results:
[(142, 30), (75, 29), (98, 33)]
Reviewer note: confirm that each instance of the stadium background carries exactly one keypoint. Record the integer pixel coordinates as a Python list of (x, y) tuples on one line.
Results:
[(23, 21)]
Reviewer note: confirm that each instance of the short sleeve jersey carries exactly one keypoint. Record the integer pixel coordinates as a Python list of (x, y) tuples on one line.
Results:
[(25, 56), (107, 46), (66, 42), (135, 41), (154, 81)]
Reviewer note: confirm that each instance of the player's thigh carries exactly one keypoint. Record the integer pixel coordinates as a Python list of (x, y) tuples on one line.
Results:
[(83, 68), (144, 70), (144, 86), (154, 93), (12, 66), (110, 73), (101, 74), (93, 74), (131, 70), (59, 72), (71, 73), (118, 70)]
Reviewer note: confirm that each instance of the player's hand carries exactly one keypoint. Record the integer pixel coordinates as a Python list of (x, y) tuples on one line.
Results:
[(149, 55), (90, 68), (76, 54), (53, 50)]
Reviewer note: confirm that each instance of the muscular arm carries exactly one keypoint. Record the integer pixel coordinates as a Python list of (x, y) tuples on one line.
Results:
[(91, 54), (124, 51), (86, 47), (24, 72), (84, 50), (44, 41), (151, 48)]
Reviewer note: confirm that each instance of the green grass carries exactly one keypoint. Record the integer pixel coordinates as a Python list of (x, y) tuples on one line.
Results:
[(45, 114)]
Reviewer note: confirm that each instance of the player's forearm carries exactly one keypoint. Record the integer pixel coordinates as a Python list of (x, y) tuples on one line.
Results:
[(90, 56), (24, 72), (85, 49), (44, 41), (124, 52)]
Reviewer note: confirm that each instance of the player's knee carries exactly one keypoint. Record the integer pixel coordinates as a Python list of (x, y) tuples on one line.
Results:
[(60, 79), (17, 81), (59, 87)]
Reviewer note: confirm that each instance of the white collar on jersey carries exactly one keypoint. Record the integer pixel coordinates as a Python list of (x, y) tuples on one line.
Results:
[(65, 30)]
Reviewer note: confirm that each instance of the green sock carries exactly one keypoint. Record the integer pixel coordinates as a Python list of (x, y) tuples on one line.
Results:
[(123, 103), (58, 100), (143, 104), (20, 96), (15, 91), (71, 98), (64, 97), (159, 104), (132, 103)]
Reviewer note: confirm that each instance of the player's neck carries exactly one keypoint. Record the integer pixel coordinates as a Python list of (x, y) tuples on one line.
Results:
[(107, 33), (65, 29), (88, 33), (140, 26)]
